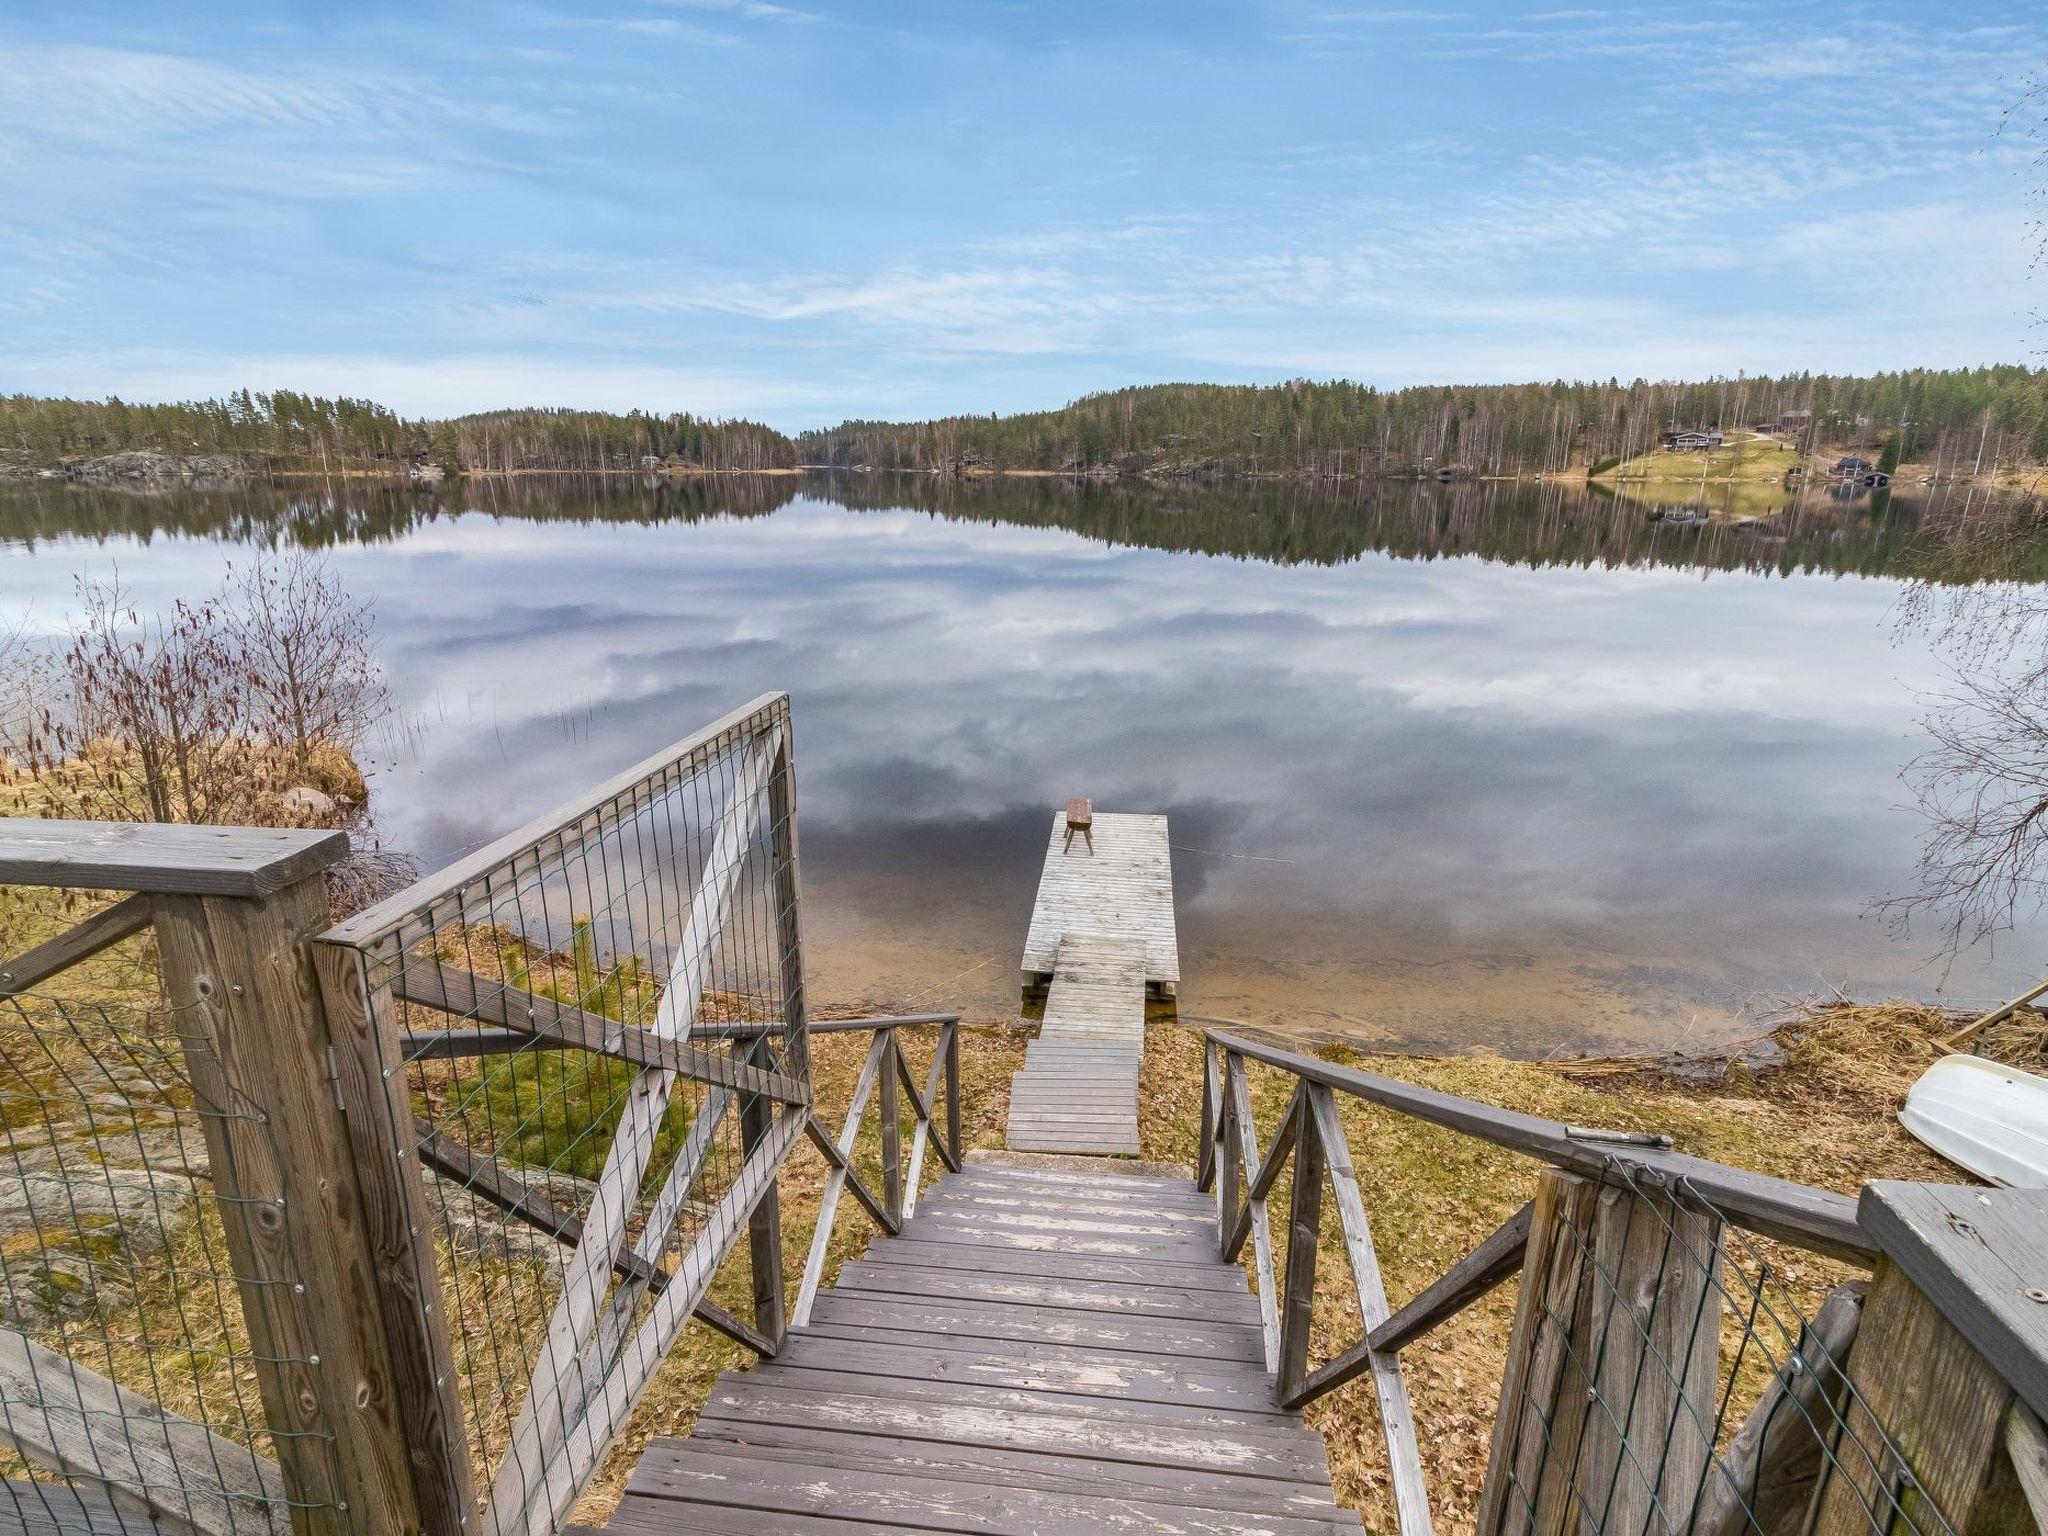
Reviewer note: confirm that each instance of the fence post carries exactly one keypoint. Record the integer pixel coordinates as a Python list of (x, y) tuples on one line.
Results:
[(764, 1224), (1950, 1337), (370, 1077), (238, 969), (892, 1127), (1304, 1236), (952, 1047), (1609, 1394)]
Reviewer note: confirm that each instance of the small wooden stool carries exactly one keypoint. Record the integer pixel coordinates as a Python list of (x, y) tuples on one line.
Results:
[(1081, 819)]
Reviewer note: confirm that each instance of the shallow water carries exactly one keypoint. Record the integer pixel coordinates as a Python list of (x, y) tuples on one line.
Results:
[(1454, 765)]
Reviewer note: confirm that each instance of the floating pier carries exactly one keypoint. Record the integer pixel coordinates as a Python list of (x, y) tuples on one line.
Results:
[(1101, 939)]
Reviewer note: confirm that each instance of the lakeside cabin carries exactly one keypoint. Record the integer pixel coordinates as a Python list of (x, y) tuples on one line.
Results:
[(1691, 441)]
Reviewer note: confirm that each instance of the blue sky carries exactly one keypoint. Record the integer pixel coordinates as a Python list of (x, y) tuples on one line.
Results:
[(820, 209)]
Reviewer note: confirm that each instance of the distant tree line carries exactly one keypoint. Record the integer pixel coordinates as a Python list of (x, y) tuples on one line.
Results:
[(1967, 419), (286, 428), (1970, 418), (567, 439)]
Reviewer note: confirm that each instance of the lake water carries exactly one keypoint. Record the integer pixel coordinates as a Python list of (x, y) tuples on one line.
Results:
[(1464, 765)]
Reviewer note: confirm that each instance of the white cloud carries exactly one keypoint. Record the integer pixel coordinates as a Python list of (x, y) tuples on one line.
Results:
[(417, 386)]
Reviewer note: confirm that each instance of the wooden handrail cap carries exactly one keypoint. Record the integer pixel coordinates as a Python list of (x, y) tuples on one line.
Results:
[(162, 858)]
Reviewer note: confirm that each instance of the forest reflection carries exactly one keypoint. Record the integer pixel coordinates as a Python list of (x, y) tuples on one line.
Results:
[(1947, 534)]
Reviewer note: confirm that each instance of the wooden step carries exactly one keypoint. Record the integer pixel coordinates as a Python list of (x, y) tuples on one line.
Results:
[(1039, 1350)]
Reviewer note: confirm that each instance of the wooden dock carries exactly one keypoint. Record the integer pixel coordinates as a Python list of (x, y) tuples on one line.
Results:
[(1102, 935), (1042, 1349), (1119, 883)]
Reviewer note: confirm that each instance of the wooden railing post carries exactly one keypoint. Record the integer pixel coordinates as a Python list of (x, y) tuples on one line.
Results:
[(1611, 1382), (1950, 1346), (1229, 1174), (1205, 1155), (238, 969), (1304, 1235), (952, 1048), (892, 1126), (764, 1225)]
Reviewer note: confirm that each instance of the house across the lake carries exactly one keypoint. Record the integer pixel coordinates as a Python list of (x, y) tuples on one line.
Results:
[(1690, 442)]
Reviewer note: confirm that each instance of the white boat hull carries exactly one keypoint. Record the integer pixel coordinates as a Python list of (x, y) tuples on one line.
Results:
[(1984, 1116)]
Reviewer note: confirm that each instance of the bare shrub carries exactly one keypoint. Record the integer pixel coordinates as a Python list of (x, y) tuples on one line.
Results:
[(245, 708), (312, 675)]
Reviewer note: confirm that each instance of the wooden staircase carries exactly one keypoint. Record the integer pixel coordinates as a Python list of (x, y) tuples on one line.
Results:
[(1047, 1347)]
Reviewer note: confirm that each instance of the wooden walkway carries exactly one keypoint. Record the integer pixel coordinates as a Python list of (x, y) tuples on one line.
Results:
[(1044, 1349), (1102, 934), (1078, 1091)]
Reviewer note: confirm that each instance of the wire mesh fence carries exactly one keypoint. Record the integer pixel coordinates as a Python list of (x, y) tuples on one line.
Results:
[(129, 1375), (599, 1029), (1670, 1377)]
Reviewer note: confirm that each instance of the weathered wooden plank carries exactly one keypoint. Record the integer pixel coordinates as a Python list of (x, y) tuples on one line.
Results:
[(914, 1250), (1397, 1418), (638, 1516), (81, 941), (910, 1380), (1093, 1375), (1980, 1255), (1245, 1132), (1812, 1218), (307, 1212), (559, 1025), (865, 1276), (1924, 1392), (1473, 1276), (163, 858), (689, 1470), (57, 1509), (1283, 1454), (1188, 1219), (840, 1155), (1072, 1364), (1053, 1325), (65, 1418), (1003, 1467), (1136, 1246)]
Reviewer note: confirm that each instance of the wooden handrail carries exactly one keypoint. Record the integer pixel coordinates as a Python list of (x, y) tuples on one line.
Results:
[(886, 1070), (163, 858), (375, 922), (1795, 1213)]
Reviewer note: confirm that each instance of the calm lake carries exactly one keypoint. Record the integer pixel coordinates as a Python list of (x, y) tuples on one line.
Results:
[(1461, 765)]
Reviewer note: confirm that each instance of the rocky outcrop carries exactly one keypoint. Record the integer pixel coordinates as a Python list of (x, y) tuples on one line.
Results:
[(145, 470)]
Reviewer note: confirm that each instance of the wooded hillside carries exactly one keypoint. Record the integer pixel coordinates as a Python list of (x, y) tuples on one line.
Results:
[(1327, 429), (289, 429), (1968, 419)]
